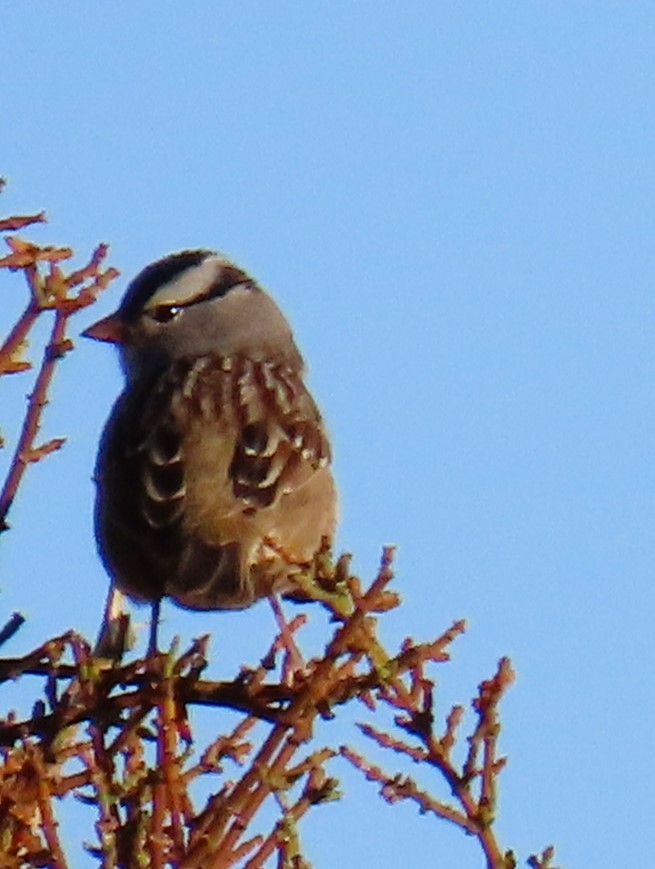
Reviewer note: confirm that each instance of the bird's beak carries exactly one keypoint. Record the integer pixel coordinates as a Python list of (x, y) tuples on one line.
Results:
[(108, 329)]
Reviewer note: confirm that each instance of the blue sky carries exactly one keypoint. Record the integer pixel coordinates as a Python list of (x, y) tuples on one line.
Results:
[(454, 204)]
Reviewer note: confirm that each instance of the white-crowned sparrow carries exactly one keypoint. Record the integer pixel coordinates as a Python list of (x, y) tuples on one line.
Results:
[(213, 472)]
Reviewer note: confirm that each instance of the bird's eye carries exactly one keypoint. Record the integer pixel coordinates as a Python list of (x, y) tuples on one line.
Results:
[(164, 313)]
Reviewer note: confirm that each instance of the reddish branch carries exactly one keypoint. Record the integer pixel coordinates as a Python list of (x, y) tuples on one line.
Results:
[(61, 296), (9, 363), (19, 222), (544, 860), (476, 810), (146, 807), (25, 451), (45, 804)]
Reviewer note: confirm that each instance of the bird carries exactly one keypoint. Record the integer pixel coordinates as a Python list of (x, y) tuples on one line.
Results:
[(213, 475)]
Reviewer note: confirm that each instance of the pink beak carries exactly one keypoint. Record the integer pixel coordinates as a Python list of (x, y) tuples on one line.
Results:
[(109, 329)]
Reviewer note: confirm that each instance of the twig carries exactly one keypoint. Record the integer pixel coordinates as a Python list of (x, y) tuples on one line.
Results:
[(16, 338), (49, 823), (13, 624), (394, 788), (37, 401), (20, 222), (51, 292)]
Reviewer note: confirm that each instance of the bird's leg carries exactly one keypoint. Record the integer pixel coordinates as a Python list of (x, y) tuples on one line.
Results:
[(293, 659), (115, 636), (154, 625)]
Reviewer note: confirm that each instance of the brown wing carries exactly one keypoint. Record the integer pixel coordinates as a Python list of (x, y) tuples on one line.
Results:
[(281, 440), (212, 460), (141, 491)]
